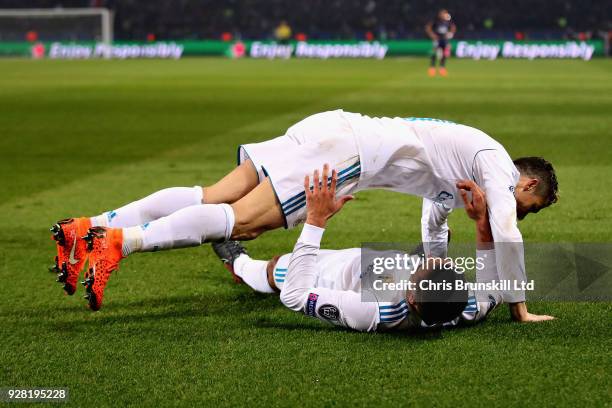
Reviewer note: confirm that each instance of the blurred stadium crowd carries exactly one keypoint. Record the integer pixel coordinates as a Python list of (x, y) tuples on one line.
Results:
[(344, 19)]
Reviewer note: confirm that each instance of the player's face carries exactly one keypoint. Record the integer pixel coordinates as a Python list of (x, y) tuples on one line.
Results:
[(444, 15), (527, 202)]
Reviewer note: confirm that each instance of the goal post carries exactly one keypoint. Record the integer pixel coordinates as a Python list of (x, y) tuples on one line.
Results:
[(57, 24)]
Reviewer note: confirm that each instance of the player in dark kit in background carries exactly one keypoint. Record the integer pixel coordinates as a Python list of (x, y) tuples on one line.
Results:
[(440, 31)]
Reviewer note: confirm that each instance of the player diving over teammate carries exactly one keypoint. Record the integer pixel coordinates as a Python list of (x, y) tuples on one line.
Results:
[(422, 157), (327, 284)]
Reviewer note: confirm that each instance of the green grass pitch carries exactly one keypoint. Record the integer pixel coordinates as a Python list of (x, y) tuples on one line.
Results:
[(81, 137)]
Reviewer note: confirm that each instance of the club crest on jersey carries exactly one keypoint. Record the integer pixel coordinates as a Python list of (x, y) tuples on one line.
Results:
[(443, 196), (329, 312), (311, 304)]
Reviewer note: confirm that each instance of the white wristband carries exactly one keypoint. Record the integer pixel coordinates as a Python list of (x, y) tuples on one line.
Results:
[(311, 235)]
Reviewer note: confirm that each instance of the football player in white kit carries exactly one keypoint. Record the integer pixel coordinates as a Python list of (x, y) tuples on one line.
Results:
[(422, 157), (327, 284)]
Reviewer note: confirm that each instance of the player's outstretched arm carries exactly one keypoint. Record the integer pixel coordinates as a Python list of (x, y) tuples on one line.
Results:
[(299, 293), (321, 205), (476, 209)]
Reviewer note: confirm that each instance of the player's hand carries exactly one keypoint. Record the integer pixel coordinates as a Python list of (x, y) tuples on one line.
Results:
[(476, 209), (321, 201), (530, 317), (520, 314)]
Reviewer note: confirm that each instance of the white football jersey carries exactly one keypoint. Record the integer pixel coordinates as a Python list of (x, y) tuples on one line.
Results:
[(326, 284), (427, 157)]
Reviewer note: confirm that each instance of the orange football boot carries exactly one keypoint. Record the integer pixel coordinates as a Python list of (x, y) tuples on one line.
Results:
[(71, 250), (104, 247), (431, 72), (443, 72)]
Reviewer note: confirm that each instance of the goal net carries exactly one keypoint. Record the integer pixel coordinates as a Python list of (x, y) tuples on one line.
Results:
[(56, 24)]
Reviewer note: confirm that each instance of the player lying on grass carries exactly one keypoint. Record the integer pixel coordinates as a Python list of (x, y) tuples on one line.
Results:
[(327, 284), (423, 157)]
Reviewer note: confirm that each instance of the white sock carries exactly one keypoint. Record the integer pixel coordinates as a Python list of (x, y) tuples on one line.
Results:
[(187, 227), (132, 240), (253, 272), (152, 207)]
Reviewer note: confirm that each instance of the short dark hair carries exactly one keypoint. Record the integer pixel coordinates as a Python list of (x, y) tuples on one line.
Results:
[(445, 304), (543, 170)]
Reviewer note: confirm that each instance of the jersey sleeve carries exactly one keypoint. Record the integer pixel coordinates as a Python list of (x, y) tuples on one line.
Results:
[(342, 308), (434, 228), (498, 182)]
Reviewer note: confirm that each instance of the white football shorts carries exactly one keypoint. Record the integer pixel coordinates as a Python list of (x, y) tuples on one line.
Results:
[(322, 138)]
